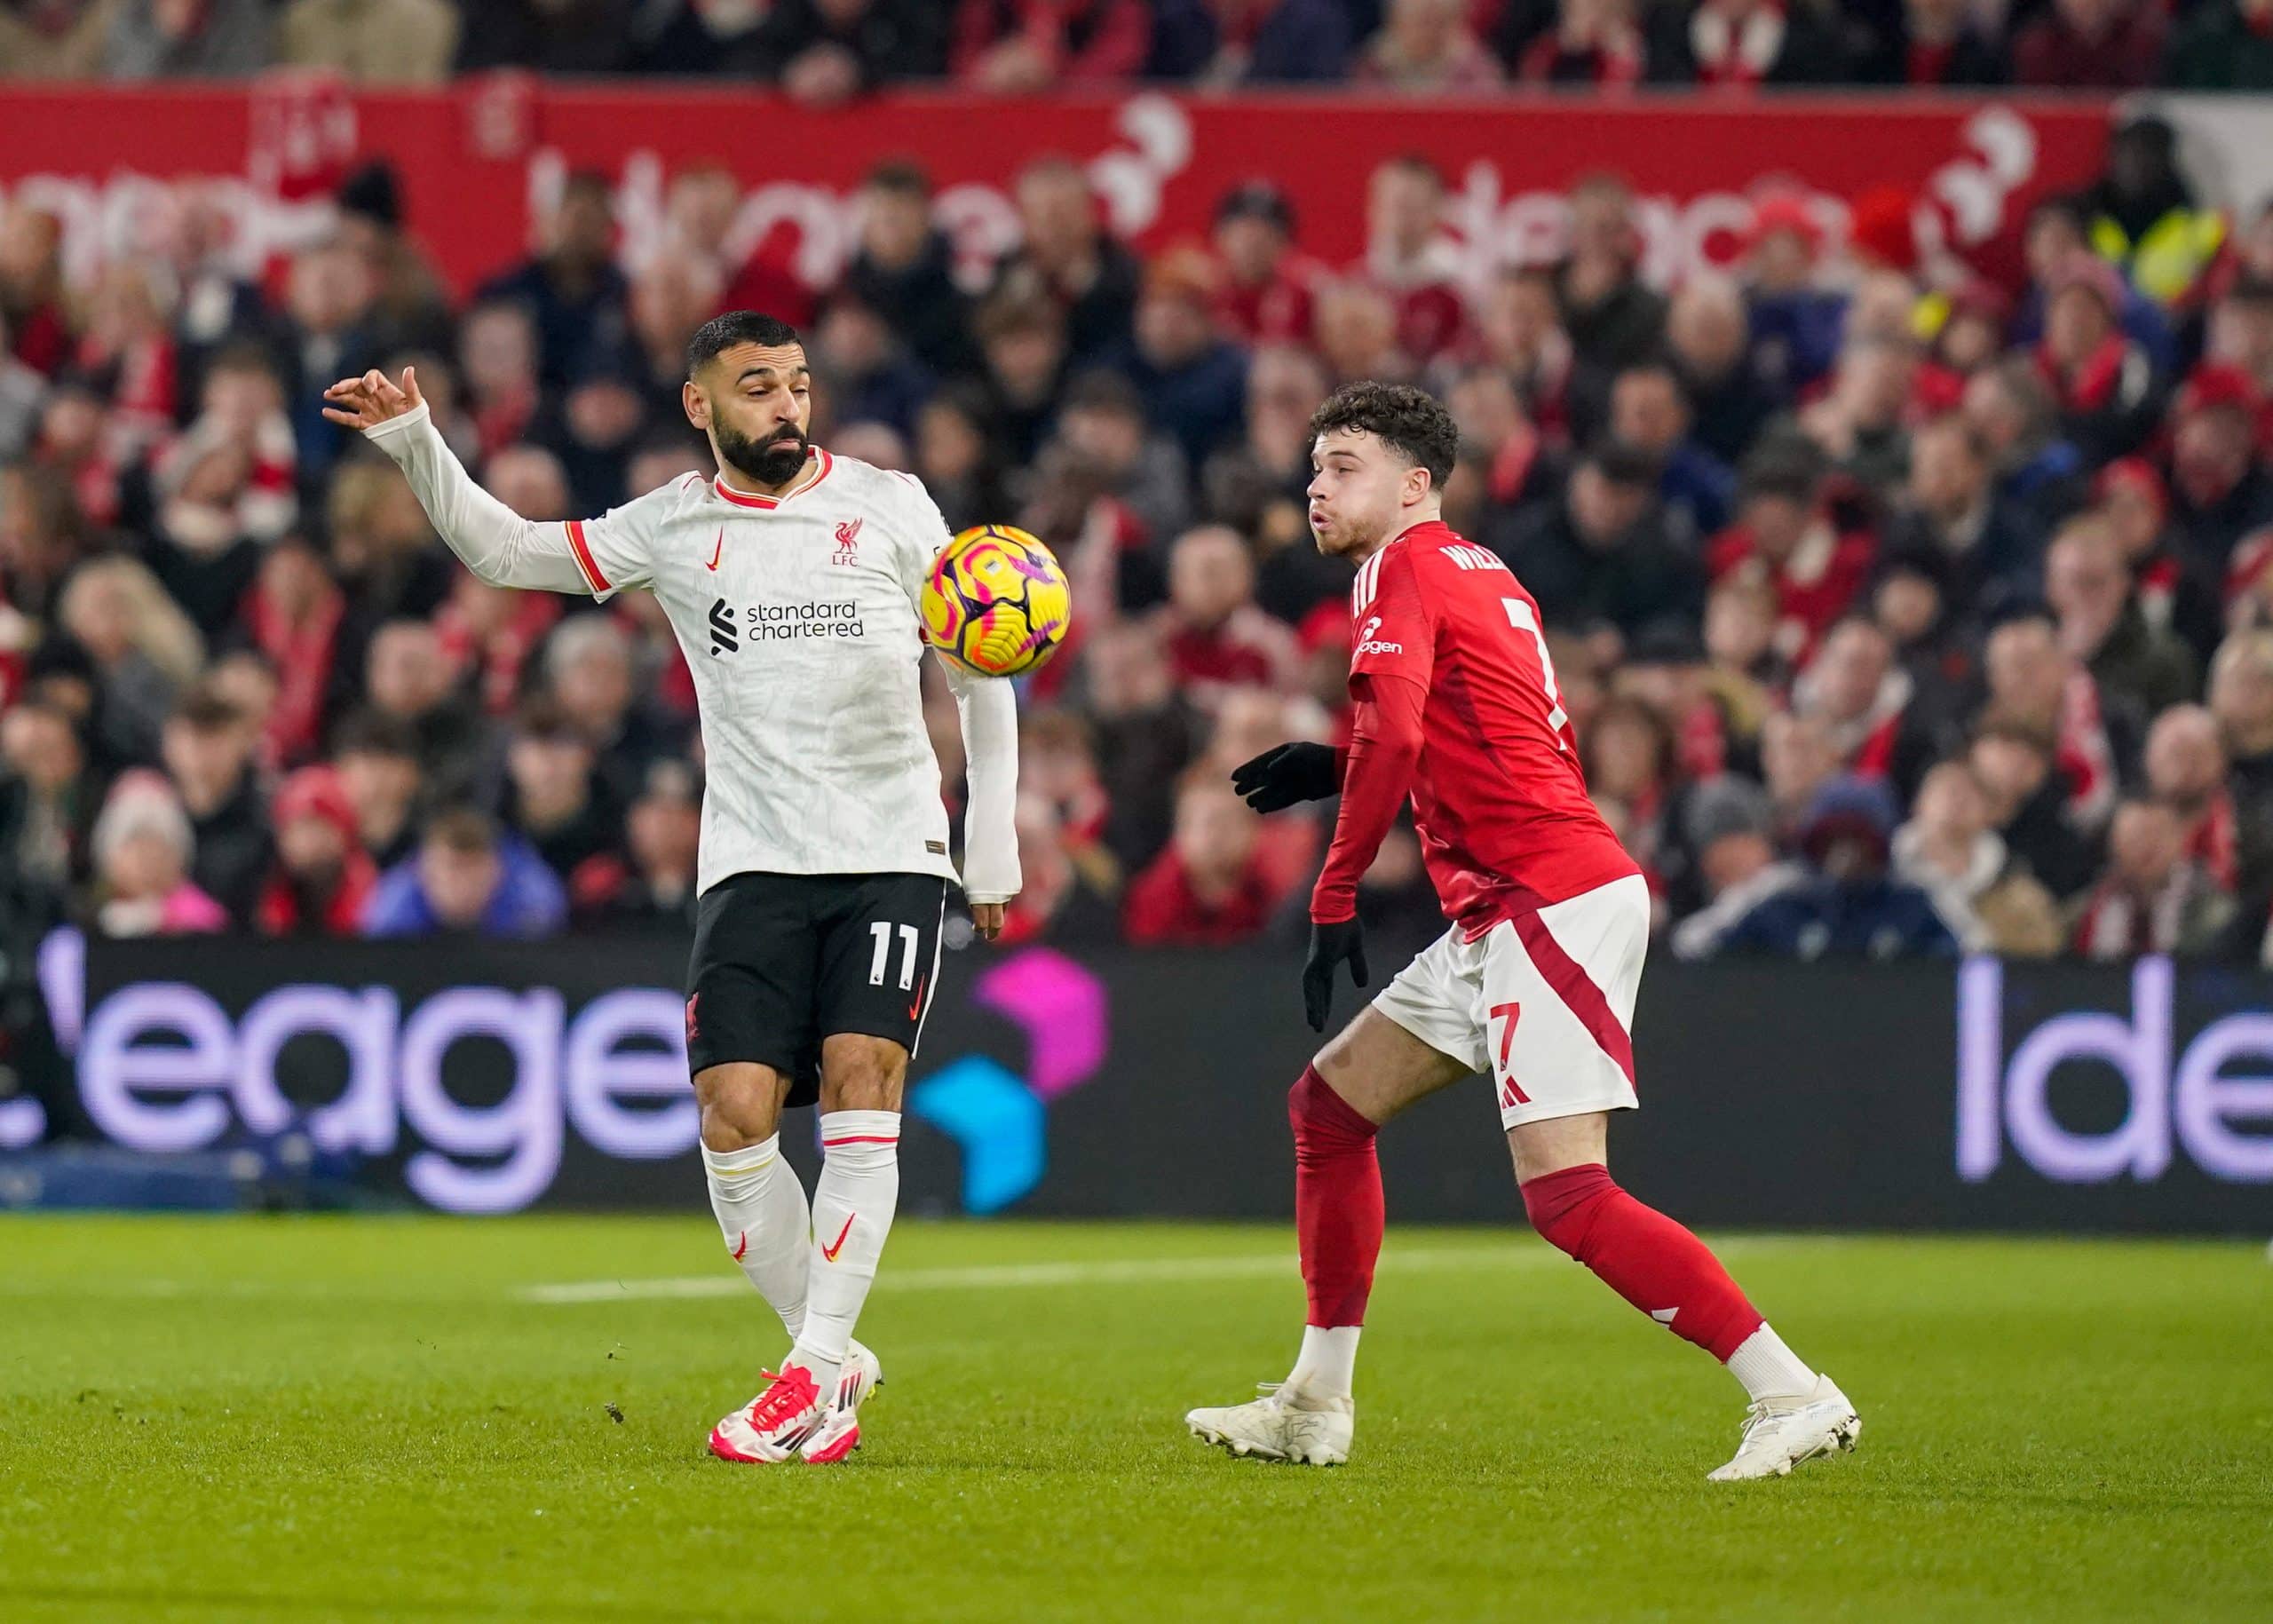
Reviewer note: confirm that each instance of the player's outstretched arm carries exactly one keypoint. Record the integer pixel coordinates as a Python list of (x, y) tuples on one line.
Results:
[(1384, 749), (988, 710), (497, 543)]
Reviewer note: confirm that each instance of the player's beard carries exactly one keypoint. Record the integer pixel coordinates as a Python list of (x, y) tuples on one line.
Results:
[(769, 462)]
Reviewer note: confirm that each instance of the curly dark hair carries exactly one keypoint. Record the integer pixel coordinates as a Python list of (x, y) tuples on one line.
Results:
[(1410, 422)]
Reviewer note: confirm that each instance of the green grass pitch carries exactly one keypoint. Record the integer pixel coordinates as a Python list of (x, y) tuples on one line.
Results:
[(363, 1419)]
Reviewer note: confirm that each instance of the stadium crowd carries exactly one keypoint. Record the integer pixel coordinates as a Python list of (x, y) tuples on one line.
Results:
[(825, 51), (1895, 612)]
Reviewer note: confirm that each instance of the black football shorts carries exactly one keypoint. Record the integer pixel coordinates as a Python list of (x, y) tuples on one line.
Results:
[(782, 960)]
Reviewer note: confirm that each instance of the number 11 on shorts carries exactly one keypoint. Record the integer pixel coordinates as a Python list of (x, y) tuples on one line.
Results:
[(910, 939)]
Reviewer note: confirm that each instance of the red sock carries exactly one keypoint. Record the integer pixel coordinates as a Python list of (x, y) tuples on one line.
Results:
[(1337, 1200), (1642, 1256)]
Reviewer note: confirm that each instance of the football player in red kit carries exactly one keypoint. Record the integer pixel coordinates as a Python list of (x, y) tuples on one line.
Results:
[(1533, 985)]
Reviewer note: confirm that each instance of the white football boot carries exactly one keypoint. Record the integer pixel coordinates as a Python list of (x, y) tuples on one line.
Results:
[(777, 1424), (1780, 1433), (1286, 1424), (839, 1433)]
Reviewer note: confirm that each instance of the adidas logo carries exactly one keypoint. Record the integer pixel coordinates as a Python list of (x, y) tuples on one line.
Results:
[(724, 638)]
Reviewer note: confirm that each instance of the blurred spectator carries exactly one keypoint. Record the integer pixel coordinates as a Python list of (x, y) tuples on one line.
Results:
[(1612, 318), (589, 674), (1068, 257), (1628, 760), (1650, 411), (1426, 45), (1852, 906), (2111, 44), (2103, 382), (325, 335), (42, 538), (382, 552), (374, 41), (1593, 42), (1603, 558), (1730, 826), (833, 50), (1785, 536), (2219, 489), (572, 290), (1220, 42), (2028, 800), (2153, 898), (1707, 341), (1410, 256), (2040, 475), (1023, 341), (1215, 635), (208, 748), (954, 456), (1067, 898), (187, 39), (2223, 45), (1105, 446), (31, 287), (292, 616), (490, 632), (2144, 216), (467, 878), (322, 878), (868, 373), (2241, 699), (1208, 889), (1519, 334), (1940, 42), (2185, 764), (143, 850), (724, 37), (1857, 421), (1193, 382), (2101, 626), (1016, 47), (2035, 681), (1146, 734), (55, 39), (652, 883), (49, 795), (142, 648), (553, 37), (1267, 289), (376, 757), (411, 682), (1259, 485), (1354, 333), (553, 799), (1797, 326), (1869, 707), (1948, 510), (1741, 43), (1948, 849), (902, 270), (2060, 237), (497, 351), (1797, 757)]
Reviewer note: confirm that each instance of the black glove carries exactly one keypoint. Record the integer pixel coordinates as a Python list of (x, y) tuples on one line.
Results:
[(1286, 773), (1329, 945)]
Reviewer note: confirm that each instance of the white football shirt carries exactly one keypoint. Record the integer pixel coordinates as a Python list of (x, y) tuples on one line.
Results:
[(797, 616)]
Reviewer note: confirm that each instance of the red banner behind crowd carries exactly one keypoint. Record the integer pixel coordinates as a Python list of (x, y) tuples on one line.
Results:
[(478, 160)]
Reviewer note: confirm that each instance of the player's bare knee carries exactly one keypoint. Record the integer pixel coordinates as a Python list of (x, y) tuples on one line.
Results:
[(740, 1104), (859, 1073)]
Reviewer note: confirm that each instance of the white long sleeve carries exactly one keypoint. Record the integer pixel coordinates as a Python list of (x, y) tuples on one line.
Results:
[(497, 543), (988, 710)]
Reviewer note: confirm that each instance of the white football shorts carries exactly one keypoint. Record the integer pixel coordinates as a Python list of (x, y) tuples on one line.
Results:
[(1542, 1004)]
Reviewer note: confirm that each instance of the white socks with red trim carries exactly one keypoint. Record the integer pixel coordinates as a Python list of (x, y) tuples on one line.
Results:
[(761, 1207), (852, 1208)]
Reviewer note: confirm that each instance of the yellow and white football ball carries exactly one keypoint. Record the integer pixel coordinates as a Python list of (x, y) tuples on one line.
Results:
[(996, 601)]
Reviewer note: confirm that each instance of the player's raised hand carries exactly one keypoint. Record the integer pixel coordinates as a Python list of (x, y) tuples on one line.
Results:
[(366, 402), (1285, 774), (1330, 945)]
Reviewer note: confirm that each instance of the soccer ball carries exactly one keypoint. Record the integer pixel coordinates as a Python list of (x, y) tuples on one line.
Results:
[(996, 601)]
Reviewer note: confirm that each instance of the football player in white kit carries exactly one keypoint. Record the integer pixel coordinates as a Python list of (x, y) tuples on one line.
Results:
[(791, 579)]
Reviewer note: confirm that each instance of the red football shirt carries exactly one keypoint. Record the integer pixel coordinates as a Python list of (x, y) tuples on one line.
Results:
[(1448, 647)]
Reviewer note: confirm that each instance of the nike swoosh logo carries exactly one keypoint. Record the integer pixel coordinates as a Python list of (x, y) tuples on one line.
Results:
[(742, 1245), (830, 1252), (915, 1006), (717, 549)]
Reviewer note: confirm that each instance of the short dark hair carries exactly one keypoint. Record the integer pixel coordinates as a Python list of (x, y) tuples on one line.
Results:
[(1411, 422), (203, 711), (721, 333), (369, 732), (904, 176), (465, 829)]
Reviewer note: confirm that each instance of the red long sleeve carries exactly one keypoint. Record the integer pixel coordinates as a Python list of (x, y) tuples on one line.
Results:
[(1384, 748)]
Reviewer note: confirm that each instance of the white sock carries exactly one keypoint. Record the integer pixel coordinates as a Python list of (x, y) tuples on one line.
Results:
[(761, 1207), (853, 1204), (1328, 1362), (1767, 1368)]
